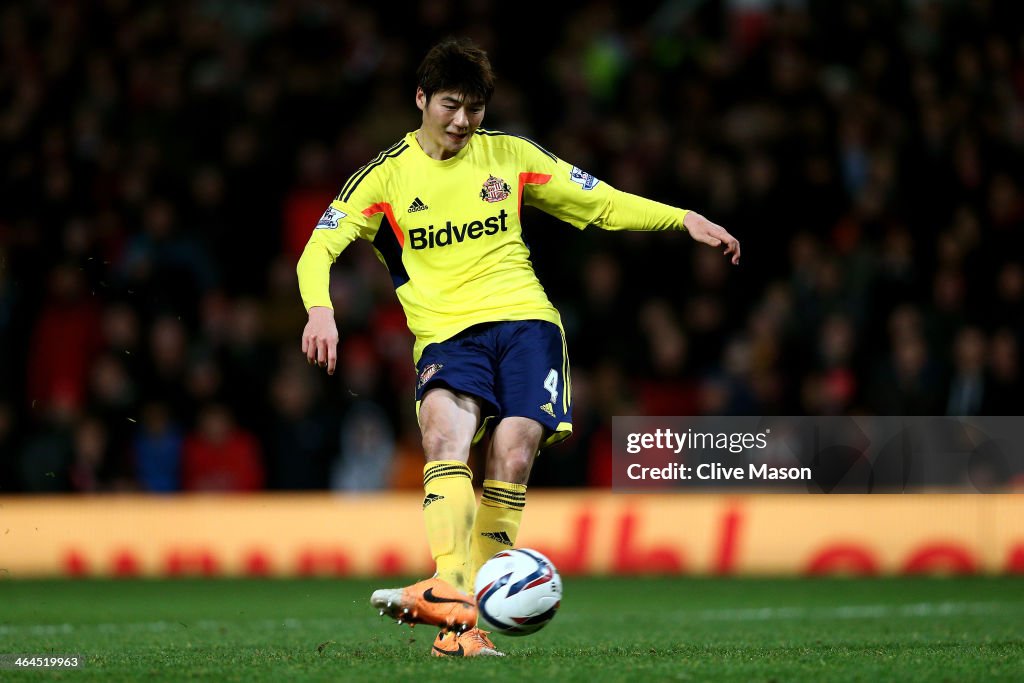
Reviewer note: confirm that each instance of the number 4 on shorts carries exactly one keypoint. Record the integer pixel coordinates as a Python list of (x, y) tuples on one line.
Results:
[(551, 384)]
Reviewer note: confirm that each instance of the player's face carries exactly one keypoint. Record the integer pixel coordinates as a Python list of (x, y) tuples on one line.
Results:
[(449, 121)]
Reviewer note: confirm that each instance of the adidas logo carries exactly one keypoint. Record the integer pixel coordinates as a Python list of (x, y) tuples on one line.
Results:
[(499, 536), (417, 205), (431, 498), (547, 408)]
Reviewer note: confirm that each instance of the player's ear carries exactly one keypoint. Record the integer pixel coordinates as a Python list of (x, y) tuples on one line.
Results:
[(421, 99)]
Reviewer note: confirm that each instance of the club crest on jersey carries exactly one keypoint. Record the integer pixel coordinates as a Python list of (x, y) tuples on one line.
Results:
[(427, 373), (584, 179), (495, 190), (329, 221)]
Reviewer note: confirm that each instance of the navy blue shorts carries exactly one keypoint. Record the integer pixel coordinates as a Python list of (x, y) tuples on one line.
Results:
[(516, 368)]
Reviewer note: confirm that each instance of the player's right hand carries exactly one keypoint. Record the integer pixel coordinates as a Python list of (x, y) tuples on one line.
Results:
[(320, 338)]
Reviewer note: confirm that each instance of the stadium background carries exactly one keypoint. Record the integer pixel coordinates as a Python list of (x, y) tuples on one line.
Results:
[(164, 164)]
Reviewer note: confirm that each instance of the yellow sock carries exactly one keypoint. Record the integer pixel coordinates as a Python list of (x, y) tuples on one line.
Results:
[(497, 521), (448, 509)]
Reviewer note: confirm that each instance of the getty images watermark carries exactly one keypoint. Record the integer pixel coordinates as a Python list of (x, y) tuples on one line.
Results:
[(857, 454)]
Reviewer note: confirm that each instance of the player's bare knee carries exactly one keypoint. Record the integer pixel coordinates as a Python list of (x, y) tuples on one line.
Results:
[(514, 463), (435, 444), (442, 444)]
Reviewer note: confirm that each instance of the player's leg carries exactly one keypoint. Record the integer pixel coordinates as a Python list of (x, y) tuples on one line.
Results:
[(449, 422), (513, 448), (453, 397), (536, 410)]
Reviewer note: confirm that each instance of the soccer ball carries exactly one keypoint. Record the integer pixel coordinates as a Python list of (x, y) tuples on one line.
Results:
[(518, 591)]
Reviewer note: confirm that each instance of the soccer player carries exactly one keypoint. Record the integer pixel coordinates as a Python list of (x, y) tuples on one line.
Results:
[(442, 209)]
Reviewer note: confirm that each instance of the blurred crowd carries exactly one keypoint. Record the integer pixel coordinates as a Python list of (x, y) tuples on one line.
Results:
[(164, 164)]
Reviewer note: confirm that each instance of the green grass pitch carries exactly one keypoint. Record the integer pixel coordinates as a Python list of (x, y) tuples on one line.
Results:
[(613, 629)]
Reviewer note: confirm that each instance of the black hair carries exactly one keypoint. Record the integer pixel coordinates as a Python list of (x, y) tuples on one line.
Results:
[(458, 65)]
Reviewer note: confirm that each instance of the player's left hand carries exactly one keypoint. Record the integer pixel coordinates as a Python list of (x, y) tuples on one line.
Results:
[(712, 234)]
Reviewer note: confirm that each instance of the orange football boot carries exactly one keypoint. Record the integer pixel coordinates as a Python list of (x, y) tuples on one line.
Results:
[(471, 643), (431, 601)]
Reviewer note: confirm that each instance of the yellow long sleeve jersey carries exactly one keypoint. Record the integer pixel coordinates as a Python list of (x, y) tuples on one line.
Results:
[(449, 232)]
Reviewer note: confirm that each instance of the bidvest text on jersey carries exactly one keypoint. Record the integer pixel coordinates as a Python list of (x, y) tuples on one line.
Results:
[(428, 237)]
